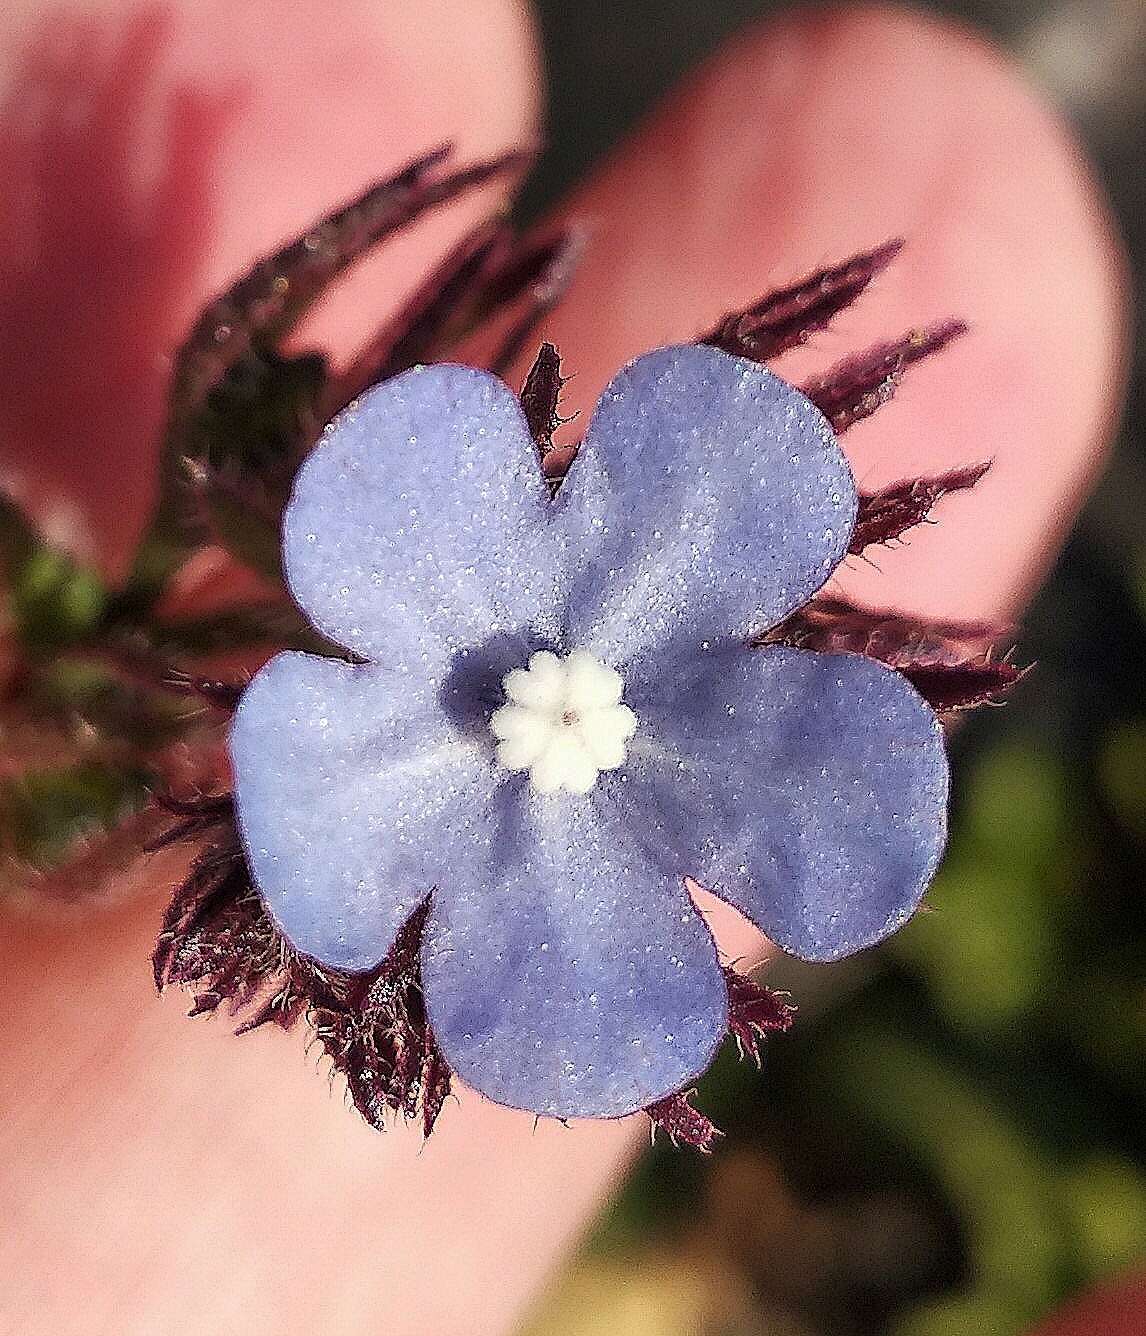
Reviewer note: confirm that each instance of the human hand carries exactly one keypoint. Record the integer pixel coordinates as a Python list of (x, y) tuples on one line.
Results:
[(163, 1176)]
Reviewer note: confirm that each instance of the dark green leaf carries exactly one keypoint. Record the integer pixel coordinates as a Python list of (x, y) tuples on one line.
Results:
[(43, 814)]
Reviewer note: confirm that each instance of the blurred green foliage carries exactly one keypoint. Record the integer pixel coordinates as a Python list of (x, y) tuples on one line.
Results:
[(46, 813)]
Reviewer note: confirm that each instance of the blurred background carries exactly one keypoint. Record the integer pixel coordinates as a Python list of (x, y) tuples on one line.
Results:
[(953, 1140)]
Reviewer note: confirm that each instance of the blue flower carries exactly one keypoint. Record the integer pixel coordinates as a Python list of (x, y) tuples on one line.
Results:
[(558, 715)]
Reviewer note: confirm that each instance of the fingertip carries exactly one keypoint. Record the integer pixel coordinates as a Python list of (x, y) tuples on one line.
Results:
[(819, 134), (162, 149)]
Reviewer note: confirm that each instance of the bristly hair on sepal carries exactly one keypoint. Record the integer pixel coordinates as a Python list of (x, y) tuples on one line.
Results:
[(219, 943), (682, 1124), (755, 1012), (788, 317), (953, 665), (540, 396), (377, 1036), (885, 516), (858, 386)]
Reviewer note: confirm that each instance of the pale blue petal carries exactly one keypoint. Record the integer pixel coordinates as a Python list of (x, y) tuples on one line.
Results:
[(808, 790), (354, 797), (580, 981), (709, 499), (418, 526)]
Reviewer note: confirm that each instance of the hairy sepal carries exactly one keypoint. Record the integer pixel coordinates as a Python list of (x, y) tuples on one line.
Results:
[(953, 665), (218, 942)]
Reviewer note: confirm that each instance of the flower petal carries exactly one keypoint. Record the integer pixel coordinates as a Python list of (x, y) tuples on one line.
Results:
[(353, 796), (418, 526), (708, 496), (809, 789), (579, 983)]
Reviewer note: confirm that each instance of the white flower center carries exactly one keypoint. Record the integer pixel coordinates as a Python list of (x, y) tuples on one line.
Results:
[(563, 721)]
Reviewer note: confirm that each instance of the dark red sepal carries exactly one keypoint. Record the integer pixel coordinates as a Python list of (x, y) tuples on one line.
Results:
[(277, 291), (836, 626), (223, 696), (550, 268), (490, 274), (540, 395), (951, 664), (196, 816), (886, 515), (754, 1012), (856, 387), (218, 941), (790, 316), (963, 686), (684, 1125), (377, 1036), (435, 314), (435, 1079)]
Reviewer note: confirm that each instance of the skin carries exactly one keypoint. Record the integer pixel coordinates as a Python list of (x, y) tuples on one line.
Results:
[(159, 1175), (1112, 1310)]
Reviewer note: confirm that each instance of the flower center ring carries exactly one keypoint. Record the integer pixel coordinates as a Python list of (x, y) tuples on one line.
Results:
[(563, 721)]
